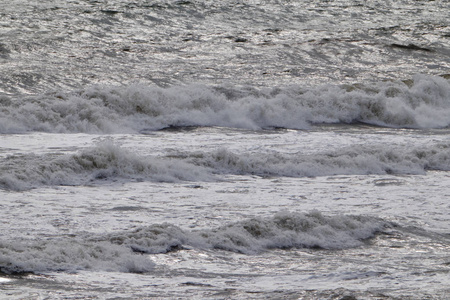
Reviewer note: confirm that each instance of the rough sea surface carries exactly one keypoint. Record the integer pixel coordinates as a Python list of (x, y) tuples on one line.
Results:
[(224, 149)]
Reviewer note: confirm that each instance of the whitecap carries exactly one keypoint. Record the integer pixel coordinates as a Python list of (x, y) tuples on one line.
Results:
[(422, 102)]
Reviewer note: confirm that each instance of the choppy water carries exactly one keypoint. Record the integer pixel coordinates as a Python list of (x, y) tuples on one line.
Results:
[(225, 150)]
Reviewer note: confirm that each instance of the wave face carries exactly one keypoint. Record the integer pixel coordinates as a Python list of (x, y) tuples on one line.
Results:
[(423, 102), (119, 252), (108, 161)]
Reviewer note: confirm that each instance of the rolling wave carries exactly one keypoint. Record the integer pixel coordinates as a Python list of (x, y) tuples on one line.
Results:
[(423, 102), (103, 161), (282, 231), (120, 251), (354, 160), (108, 161), (69, 255)]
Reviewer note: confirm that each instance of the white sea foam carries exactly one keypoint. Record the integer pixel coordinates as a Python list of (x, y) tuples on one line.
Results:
[(284, 230), (69, 255), (108, 161), (423, 102)]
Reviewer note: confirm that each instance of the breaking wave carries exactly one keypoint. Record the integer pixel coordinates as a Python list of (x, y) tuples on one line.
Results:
[(423, 102), (69, 255), (121, 251), (354, 160), (101, 162), (108, 161), (282, 231)]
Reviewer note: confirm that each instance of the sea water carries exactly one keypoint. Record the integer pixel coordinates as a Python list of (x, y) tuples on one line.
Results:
[(224, 149)]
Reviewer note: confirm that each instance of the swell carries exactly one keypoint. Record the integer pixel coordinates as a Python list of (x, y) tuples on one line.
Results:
[(422, 102)]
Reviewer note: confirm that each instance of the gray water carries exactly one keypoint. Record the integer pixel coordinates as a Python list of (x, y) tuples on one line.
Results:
[(224, 149), (63, 45)]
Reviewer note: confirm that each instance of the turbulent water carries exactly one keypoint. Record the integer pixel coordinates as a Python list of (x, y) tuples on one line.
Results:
[(224, 149)]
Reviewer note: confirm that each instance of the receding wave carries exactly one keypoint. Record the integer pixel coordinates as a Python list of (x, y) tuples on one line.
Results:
[(108, 161), (423, 102), (121, 251)]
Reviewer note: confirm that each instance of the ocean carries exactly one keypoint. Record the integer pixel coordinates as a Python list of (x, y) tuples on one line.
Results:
[(259, 149)]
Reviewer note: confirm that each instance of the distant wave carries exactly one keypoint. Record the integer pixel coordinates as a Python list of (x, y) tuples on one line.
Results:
[(119, 251), (108, 161), (423, 102)]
